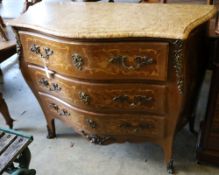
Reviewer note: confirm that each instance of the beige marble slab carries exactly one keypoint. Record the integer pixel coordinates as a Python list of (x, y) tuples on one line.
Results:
[(115, 20)]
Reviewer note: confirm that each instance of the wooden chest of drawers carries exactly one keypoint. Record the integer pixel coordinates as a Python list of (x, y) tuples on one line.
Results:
[(115, 80)]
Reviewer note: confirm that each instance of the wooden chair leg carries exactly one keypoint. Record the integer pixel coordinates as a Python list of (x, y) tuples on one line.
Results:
[(2, 22), (5, 112), (210, 2), (2, 29)]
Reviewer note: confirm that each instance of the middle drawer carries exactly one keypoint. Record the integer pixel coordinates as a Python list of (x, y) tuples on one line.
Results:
[(102, 97)]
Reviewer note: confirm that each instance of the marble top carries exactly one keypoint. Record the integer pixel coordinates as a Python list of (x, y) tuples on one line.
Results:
[(115, 20)]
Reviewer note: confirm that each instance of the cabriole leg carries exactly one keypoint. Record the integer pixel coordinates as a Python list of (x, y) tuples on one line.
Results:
[(51, 129), (168, 154), (170, 167), (5, 112)]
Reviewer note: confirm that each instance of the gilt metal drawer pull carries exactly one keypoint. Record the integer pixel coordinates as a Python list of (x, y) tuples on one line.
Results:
[(139, 61), (46, 53), (64, 112), (100, 140), (137, 100), (44, 82), (140, 127), (91, 123), (61, 112), (52, 87), (77, 61), (54, 106), (84, 98), (55, 87)]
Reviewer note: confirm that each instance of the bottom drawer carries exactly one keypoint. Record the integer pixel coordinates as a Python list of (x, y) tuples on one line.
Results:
[(88, 123)]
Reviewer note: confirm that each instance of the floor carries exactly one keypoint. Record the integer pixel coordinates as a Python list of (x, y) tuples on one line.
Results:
[(70, 154)]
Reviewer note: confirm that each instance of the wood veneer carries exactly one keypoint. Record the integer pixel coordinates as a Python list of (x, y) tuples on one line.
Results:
[(115, 86)]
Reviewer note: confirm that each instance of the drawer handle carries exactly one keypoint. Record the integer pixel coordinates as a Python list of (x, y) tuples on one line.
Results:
[(54, 106), (140, 127), (64, 112), (46, 53), (100, 140), (52, 87), (139, 61), (77, 61), (44, 82), (91, 123), (61, 112), (137, 100), (55, 87), (84, 98)]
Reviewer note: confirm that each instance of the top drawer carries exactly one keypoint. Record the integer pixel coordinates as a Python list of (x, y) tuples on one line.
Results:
[(98, 60)]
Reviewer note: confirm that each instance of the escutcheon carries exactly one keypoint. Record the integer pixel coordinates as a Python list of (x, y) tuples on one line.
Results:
[(77, 61), (44, 53), (85, 98)]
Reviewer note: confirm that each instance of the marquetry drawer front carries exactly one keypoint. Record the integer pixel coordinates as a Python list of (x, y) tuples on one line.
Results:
[(112, 124), (102, 97), (112, 60)]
